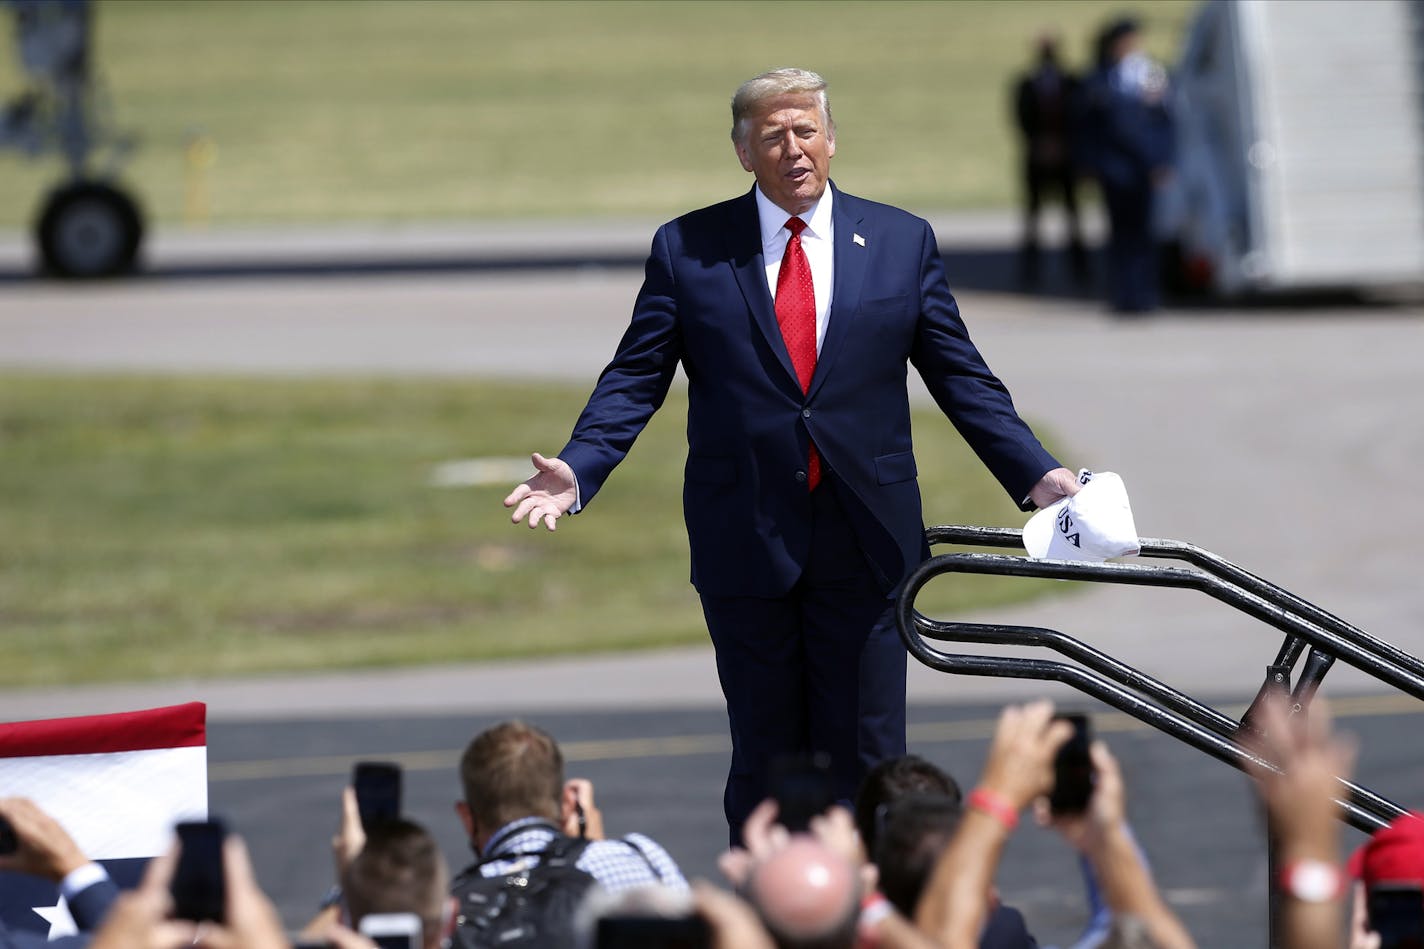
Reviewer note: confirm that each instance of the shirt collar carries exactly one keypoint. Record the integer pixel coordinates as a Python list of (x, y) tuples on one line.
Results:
[(773, 218), (502, 836)]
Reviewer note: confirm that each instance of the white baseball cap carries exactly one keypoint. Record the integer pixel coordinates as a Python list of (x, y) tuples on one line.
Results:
[(1095, 524)]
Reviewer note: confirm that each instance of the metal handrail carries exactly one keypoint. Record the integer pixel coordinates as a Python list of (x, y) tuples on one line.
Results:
[(1133, 692), (1374, 810), (1363, 657), (1213, 564)]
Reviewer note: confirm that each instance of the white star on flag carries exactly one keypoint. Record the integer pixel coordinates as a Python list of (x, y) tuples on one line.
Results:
[(60, 922)]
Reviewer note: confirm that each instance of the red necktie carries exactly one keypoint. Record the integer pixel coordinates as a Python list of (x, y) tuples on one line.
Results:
[(796, 315)]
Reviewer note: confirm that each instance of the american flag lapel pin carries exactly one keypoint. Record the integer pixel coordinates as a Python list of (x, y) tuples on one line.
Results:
[(858, 239)]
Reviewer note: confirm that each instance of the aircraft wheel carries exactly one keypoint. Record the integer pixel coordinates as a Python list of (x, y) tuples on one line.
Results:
[(89, 229)]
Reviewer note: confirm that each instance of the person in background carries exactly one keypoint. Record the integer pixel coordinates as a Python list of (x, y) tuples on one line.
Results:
[(1047, 108), (517, 806), (906, 812), (400, 870), (1393, 857), (1018, 772), (1127, 143)]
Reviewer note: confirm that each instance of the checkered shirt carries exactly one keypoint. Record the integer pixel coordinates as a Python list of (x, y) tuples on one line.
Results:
[(617, 865)]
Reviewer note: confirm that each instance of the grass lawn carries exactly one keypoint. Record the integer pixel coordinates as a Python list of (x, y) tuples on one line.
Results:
[(371, 109), (174, 526)]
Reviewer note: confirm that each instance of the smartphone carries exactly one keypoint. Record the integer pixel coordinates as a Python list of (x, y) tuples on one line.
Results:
[(392, 930), (9, 843), (801, 785), (652, 932), (378, 791), (199, 885), (1073, 769), (1396, 912)]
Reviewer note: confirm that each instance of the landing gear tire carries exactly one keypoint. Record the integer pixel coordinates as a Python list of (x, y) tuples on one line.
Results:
[(88, 229)]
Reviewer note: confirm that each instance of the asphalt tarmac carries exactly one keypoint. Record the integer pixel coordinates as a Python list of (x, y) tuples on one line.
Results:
[(1284, 436)]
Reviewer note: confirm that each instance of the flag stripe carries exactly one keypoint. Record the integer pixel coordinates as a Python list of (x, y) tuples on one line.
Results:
[(114, 805), (178, 726)]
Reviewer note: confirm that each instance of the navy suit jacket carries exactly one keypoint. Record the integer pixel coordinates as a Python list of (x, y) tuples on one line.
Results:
[(705, 303), (88, 909)]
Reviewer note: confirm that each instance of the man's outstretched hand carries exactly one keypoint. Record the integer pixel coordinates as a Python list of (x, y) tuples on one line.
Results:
[(1056, 484), (545, 497)]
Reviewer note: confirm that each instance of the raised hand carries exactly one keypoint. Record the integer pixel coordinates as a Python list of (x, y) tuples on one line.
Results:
[(545, 497)]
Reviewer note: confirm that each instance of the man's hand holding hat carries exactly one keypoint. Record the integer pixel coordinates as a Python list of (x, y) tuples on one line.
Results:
[(1093, 524)]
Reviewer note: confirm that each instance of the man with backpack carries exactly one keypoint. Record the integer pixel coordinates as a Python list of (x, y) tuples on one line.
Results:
[(539, 843)]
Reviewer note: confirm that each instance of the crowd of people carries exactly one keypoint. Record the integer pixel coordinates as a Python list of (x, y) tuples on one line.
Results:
[(911, 862)]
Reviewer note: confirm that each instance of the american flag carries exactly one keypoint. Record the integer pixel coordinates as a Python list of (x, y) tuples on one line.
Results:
[(117, 783)]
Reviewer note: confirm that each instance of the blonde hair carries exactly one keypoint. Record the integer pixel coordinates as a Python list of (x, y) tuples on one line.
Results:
[(777, 82)]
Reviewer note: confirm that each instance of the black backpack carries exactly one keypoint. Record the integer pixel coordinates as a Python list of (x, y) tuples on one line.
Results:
[(533, 908)]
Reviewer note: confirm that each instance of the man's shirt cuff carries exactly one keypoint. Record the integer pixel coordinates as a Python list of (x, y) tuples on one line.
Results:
[(79, 879)]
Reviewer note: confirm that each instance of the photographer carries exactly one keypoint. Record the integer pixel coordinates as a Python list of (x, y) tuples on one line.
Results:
[(1102, 835), (1018, 772)]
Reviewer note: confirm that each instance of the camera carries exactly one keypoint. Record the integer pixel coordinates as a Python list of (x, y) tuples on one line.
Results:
[(378, 791), (1073, 777), (392, 930), (9, 843), (801, 786), (652, 932), (1396, 912), (199, 883)]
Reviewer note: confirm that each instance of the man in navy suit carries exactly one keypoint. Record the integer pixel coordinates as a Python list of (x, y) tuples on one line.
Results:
[(794, 311)]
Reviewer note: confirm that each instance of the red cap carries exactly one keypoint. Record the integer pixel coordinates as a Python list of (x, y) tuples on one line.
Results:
[(1395, 854)]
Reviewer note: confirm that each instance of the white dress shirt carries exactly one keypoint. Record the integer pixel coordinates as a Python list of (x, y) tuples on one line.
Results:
[(817, 240)]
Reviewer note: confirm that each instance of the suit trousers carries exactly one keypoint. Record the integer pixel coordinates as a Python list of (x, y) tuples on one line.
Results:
[(1132, 251), (820, 669)]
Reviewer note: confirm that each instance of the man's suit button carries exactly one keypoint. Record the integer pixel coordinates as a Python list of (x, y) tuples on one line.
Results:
[(801, 476), (805, 413)]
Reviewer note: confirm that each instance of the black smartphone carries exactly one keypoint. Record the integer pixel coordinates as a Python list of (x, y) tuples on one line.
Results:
[(801, 786), (9, 843), (199, 885), (1073, 769), (652, 932), (378, 791), (1396, 912)]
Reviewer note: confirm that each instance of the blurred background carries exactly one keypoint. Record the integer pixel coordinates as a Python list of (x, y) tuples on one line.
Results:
[(366, 111)]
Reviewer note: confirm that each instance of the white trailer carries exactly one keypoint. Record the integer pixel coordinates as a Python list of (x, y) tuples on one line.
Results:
[(1300, 153)]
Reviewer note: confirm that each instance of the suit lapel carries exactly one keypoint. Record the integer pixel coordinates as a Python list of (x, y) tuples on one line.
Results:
[(851, 261), (749, 266)]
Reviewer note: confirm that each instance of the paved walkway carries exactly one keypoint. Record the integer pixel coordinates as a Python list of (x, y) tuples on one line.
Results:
[(1287, 439)]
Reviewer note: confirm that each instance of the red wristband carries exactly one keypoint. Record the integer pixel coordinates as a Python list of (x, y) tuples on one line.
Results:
[(995, 805), (1312, 881), (874, 907)]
